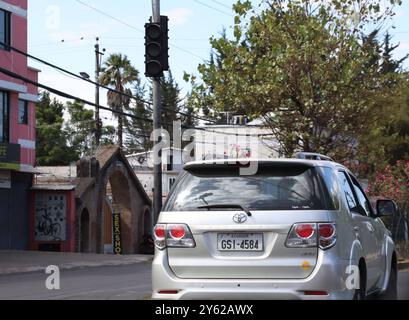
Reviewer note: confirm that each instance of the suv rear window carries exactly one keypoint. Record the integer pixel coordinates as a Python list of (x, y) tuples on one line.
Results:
[(281, 188)]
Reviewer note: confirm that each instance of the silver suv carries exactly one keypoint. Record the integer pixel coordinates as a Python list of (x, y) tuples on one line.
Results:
[(297, 229)]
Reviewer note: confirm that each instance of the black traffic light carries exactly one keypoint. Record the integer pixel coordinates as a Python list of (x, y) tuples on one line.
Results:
[(156, 48)]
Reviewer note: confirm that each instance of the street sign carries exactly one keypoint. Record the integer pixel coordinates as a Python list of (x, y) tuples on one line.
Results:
[(117, 233)]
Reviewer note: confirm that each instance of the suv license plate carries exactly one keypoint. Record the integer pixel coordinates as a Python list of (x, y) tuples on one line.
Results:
[(240, 242)]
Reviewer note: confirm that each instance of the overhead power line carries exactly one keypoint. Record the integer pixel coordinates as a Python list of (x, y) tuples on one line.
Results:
[(221, 4), (109, 15), (131, 26), (72, 97), (67, 95), (72, 74), (69, 72), (213, 8)]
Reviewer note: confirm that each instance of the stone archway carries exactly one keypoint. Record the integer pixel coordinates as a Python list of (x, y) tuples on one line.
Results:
[(121, 202), (84, 231), (117, 180), (146, 231), (147, 222), (107, 184)]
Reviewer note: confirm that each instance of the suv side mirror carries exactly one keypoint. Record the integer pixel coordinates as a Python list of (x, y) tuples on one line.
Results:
[(385, 208)]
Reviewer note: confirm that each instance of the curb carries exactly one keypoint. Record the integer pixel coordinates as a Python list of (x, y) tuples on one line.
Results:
[(73, 266), (403, 265)]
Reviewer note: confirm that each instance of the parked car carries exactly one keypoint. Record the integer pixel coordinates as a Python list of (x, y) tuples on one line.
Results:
[(297, 229)]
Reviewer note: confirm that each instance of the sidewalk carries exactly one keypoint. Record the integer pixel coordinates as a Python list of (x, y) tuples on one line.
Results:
[(403, 264), (33, 261)]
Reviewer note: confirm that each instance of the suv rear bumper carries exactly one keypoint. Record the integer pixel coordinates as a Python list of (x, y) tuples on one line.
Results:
[(329, 276)]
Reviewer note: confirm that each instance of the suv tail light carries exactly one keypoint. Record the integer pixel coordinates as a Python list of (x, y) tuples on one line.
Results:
[(327, 235), (302, 235), (305, 231), (177, 232), (173, 236), (160, 236), (308, 235)]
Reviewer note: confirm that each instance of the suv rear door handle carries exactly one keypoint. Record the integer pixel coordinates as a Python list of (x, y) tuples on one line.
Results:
[(357, 229)]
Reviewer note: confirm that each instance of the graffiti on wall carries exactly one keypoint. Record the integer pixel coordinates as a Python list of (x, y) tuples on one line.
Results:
[(50, 222)]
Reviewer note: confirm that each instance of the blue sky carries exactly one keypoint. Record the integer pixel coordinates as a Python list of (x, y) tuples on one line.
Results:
[(192, 23)]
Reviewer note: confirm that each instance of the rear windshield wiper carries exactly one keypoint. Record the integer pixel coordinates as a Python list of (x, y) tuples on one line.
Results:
[(227, 206)]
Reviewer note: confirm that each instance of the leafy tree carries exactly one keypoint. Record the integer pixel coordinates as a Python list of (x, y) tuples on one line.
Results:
[(52, 148), (188, 117), (80, 129), (108, 134), (392, 182), (118, 73), (387, 140), (138, 130), (172, 107), (170, 103), (304, 67), (388, 63)]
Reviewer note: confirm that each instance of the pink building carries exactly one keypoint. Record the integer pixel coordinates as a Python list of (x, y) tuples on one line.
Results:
[(17, 126)]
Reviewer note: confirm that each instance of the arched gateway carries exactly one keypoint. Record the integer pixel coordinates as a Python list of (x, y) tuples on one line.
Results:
[(116, 203)]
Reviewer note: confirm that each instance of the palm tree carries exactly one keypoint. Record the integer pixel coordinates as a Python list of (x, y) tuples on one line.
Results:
[(117, 72)]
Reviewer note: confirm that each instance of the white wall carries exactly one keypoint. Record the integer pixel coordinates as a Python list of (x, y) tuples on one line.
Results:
[(148, 160), (146, 179), (218, 144)]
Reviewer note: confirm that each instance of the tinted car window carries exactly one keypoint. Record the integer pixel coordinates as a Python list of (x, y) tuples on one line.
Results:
[(272, 189), (363, 201), (331, 183), (347, 190)]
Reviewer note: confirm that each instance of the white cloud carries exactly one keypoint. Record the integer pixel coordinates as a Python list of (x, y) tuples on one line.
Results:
[(179, 16)]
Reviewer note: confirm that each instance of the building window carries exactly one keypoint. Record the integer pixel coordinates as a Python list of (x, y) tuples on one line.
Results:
[(5, 26), (22, 112), (169, 166), (4, 117), (172, 182)]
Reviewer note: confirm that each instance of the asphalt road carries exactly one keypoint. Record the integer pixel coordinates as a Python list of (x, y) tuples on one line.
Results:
[(131, 282), (403, 285)]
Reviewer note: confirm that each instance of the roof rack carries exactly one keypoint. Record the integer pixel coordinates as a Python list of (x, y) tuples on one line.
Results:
[(312, 156)]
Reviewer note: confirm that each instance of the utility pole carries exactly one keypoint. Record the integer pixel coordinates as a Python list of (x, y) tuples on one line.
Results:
[(157, 124), (98, 123)]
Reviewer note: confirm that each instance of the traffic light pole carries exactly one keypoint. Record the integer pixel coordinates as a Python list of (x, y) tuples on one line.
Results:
[(156, 90)]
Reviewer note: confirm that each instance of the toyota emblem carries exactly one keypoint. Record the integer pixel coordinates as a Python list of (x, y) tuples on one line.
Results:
[(240, 218)]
